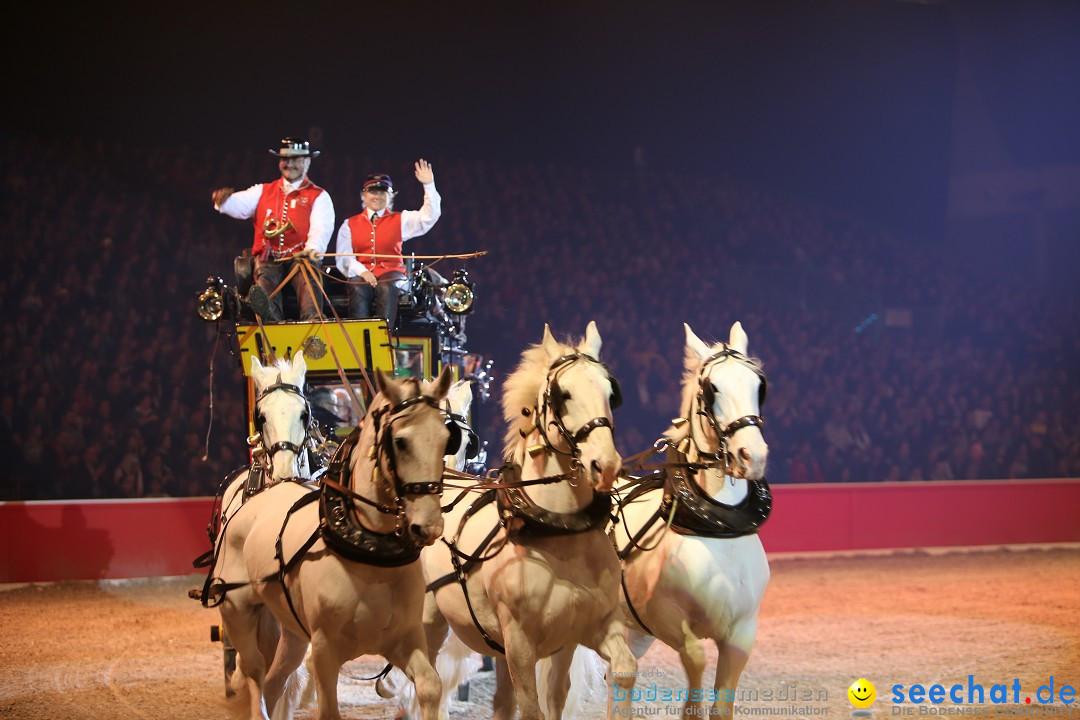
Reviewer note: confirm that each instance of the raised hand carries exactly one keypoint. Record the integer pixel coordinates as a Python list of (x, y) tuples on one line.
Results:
[(424, 173)]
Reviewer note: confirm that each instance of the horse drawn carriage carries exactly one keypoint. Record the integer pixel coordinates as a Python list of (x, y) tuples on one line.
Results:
[(327, 373), (560, 548)]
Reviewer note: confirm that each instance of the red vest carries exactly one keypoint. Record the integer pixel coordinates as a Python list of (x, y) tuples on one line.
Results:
[(382, 239), (279, 210)]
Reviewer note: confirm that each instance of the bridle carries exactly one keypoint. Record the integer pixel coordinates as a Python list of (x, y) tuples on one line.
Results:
[(385, 471), (551, 406), (305, 418), (704, 400)]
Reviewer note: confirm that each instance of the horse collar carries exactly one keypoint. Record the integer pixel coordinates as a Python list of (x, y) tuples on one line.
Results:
[(698, 514), (343, 533), (533, 520)]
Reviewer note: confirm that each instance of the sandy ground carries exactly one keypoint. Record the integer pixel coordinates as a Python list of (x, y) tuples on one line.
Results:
[(142, 649)]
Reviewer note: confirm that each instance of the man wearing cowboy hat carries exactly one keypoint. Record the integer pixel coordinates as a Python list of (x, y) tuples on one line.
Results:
[(369, 244), (294, 218)]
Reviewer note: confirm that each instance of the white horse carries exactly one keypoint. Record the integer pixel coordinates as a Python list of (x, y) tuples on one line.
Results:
[(684, 588), (538, 573), (282, 420), (458, 405), (343, 571)]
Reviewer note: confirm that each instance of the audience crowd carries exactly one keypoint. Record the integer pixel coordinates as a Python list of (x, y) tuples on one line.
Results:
[(888, 359)]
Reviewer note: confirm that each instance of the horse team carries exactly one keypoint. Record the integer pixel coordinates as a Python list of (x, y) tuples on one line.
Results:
[(381, 558)]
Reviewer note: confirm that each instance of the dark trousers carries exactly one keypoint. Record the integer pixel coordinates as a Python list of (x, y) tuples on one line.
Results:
[(269, 274), (380, 300)]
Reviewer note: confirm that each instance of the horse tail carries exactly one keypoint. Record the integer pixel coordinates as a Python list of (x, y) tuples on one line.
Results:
[(591, 671), (239, 705), (299, 690), (307, 690), (587, 680)]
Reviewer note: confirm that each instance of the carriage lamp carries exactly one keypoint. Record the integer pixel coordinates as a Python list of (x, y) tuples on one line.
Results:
[(211, 303), (458, 296)]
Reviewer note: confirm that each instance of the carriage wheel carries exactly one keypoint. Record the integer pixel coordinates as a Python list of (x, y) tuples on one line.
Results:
[(218, 634)]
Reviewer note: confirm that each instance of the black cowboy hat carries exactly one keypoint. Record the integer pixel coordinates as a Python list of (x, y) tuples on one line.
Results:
[(294, 147)]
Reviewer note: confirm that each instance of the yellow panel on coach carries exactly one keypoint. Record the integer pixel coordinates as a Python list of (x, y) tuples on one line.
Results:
[(370, 339)]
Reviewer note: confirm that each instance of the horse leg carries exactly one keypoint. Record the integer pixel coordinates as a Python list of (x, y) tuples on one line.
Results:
[(521, 660), (622, 669), (288, 658), (730, 661), (503, 705), (241, 623), (327, 667), (558, 681), (435, 626), (692, 655), (410, 655)]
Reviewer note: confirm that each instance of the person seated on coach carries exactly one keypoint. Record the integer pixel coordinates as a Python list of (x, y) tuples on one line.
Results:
[(292, 217), (375, 283)]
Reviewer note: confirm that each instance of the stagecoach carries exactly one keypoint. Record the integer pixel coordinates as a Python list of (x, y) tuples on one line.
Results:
[(341, 356), (685, 545)]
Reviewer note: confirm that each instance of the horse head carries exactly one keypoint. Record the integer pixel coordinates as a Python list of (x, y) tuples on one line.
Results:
[(282, 415), (574, 407), (410, 437), (723, 391), (459, 402)]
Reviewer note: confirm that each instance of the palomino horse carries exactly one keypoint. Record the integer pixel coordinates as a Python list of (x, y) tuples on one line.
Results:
[(703, 577), (527, 572), (452, 665), (342, 571)]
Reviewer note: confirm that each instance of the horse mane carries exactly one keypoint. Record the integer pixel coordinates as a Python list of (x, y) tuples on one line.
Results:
[(520, 391)]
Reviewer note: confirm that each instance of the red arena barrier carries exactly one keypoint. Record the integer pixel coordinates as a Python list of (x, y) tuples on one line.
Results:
[(94, 539), (97, 539), (861, 516)]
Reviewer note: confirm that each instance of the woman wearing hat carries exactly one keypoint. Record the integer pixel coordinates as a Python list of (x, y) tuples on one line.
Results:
[(292, 217), (369, 244)]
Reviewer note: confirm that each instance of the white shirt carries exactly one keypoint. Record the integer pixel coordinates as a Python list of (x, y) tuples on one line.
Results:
[(413, 223), (242, 205)]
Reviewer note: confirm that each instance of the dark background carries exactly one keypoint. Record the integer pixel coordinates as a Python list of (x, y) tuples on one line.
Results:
[(849, 103)]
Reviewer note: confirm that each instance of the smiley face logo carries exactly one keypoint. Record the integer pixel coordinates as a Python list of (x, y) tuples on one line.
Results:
[(862, 693)]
